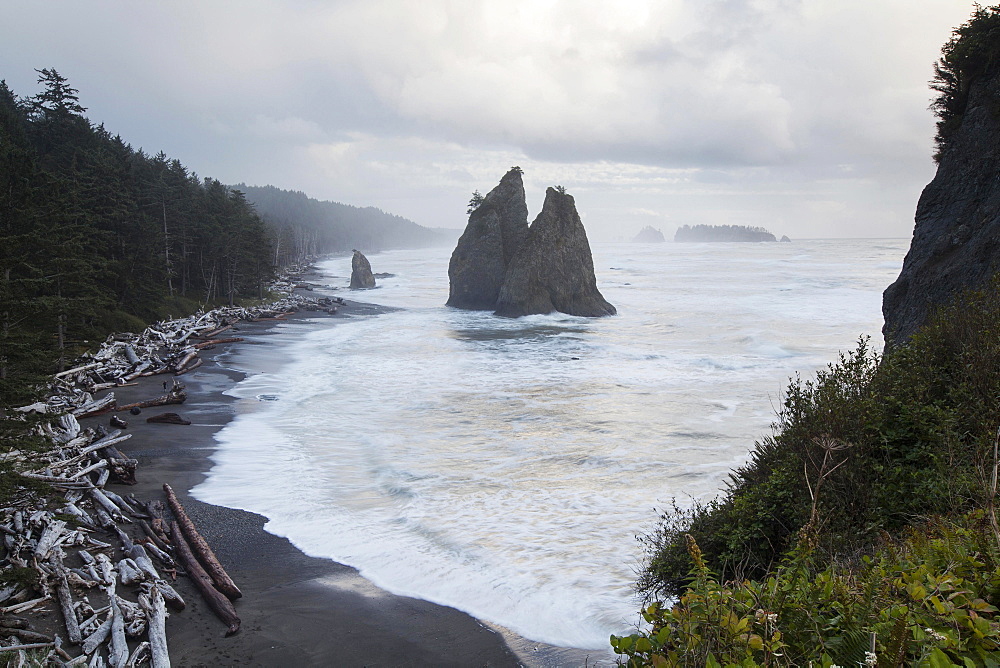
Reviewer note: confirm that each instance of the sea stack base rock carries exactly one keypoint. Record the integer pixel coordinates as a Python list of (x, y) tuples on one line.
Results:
[(497, 227), (554, 268), (361, 272)]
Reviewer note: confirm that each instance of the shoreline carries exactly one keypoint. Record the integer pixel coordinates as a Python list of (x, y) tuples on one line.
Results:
[(297, 610)]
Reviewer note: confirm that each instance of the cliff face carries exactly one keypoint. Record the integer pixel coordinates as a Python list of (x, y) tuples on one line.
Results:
[(554, 269), (495, 231), (956, 240)]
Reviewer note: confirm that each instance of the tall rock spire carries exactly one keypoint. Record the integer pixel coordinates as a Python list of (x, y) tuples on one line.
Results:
[(553, 270), (496, 229)]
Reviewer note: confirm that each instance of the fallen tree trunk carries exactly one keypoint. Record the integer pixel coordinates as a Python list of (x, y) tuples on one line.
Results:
[(185, 360), (65, 599), (168, 418), (102, 405), (190, 367), (215, 332), (200, 547), (211, 342), (122, 467), (220, 605), (172, 397), (156, 618)]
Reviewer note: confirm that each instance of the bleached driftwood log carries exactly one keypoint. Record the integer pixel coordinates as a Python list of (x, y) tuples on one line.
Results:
[(65, 599), (156, 614), (175, 396)]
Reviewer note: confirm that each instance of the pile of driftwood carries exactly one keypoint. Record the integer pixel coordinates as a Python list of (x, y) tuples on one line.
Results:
[(105, 561), (168, 347)]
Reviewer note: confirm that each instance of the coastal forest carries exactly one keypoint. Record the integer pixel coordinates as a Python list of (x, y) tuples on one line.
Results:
[(722, 233), (303, 225), (98, 237)]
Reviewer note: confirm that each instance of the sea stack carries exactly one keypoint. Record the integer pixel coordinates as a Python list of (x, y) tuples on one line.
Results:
[(496, 229), (554, 269), (649, 235), (361, 272), (956, 240)]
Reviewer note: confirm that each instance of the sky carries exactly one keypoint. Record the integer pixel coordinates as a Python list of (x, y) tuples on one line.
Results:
[(807, 117)]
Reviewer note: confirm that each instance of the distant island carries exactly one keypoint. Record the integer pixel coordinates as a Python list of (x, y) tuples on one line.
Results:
[(649, 235), (722, 233)]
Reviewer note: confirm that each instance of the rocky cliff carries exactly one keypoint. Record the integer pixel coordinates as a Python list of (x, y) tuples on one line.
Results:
[(496, 229), (361, 272), (554, 269), (956, 240)]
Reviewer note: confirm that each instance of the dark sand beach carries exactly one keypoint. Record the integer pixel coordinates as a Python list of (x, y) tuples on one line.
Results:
[(296, 610)]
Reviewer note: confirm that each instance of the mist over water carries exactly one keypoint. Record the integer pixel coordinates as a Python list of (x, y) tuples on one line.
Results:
[(504, 467)]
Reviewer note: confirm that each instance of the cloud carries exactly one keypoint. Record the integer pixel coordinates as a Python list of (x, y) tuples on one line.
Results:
[(743, 111)]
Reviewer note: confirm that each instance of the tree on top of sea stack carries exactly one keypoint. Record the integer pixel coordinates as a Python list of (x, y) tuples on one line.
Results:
[(498, 225), (361, 272), (553, 270)]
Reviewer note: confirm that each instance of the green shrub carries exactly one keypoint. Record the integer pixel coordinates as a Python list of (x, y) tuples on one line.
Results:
[(929, 599)]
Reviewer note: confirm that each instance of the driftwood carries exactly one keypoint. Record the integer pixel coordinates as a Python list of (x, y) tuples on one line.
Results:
[(185, 360), (27, 636), (78, 465), (211, 342), (138, 554), (65, 599), (170, 595), (122, 468), (139, 655), (48, 538), (34, 645), (168, 418), (216, 332), (95, 639), (156, 616), (156, 539), (173, 397), (220, 605), (200, 547), (129, 572), (191, 367), (118, 647), (103, 405)]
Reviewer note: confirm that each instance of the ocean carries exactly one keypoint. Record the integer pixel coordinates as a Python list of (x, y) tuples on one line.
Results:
[(504, 467)]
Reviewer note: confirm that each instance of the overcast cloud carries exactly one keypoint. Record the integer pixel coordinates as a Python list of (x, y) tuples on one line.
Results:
[(807, 117)]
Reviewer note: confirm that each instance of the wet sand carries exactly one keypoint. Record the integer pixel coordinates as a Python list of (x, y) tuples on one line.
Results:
[(296, 610)]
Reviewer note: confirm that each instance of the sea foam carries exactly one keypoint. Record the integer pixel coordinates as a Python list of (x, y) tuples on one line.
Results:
[(504, 467)]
